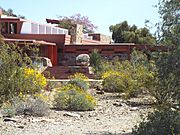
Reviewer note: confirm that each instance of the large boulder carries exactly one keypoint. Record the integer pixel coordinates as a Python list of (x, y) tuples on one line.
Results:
[(83, 60)]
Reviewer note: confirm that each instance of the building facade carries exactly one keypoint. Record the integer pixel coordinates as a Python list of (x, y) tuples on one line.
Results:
[(60, 46)]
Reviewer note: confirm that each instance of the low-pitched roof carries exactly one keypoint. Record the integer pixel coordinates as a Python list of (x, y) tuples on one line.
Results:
[(28, 41)]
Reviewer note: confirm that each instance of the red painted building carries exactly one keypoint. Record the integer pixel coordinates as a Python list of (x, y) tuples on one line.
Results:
[(56, 43)]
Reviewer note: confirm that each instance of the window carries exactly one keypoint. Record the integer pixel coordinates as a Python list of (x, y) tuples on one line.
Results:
[(13, 28)]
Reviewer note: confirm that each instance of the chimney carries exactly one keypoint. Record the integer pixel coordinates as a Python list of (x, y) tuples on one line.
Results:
[(76, 33)]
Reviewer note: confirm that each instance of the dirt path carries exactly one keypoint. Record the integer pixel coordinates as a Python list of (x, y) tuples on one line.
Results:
[(112, 116)]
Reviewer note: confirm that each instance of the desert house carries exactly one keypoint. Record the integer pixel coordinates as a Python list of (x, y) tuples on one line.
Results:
[(62, 46)]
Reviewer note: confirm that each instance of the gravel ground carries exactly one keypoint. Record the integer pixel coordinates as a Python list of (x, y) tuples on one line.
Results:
[(112, 116)]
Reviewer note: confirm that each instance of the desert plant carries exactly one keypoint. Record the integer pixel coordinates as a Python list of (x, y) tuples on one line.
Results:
[(32, 106), (160, 122), (7, 110), (166, 87), (130, 77), (35, 82), (71, 97), (16, 79), (79, 80), (95, 61)]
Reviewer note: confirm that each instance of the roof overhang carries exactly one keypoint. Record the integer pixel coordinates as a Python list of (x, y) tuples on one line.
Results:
[(28, 41), (52, 21), (11, 19)]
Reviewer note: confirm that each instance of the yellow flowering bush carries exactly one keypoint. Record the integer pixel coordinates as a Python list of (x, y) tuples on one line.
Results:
[(34, 82), (80, 76), (79, 80), (71, 97), (15, 78), (43, 95), (112, 73), (116, 81), (130, 77), (36, 76)]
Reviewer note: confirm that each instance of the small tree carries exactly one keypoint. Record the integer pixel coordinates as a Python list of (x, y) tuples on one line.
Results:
[(66, 22), (124, 33)]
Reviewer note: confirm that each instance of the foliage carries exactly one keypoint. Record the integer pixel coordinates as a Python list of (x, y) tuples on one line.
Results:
[(124, 33), (10, 12), (169, 25), (113, 82), (7, 110), (71, 97), (32, 106), (160, 122), (16, 79), (166, 87), (128, 76), (37, 79), (66, 22), (80, 80), (52, 85), (95, 60), (29, 106)]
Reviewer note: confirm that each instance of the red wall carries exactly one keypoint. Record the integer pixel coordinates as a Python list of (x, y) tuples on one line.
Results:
[(59, 39)]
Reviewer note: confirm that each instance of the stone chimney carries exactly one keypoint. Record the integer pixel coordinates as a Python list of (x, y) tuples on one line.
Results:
[(76, 33)]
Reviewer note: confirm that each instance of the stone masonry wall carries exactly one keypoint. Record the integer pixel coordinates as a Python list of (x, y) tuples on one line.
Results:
[(76, 33)]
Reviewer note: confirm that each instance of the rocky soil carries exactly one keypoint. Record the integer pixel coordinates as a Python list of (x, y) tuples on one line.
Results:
[(112, 116)]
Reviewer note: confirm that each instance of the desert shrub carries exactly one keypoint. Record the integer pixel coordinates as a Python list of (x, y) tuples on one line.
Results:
[(51, 84), (160, 122), (16, 79), (166, 87), (95, 61), (113, 81), (7, 110), (130, 77), (71, 97), (36, 107), (79, 80), (35, 81), (32, 106)]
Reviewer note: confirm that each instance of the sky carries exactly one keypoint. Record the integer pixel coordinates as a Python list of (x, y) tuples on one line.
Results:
[(101, 13)]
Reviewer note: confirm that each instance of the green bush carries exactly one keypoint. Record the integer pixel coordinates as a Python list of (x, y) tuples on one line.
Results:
[(73, 98), (95, 61), (34, 107), (30, 106), (7, 110), (80, 80), (130, 77), (113, 83), (166, 87), (160, 122), (16, 79)]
